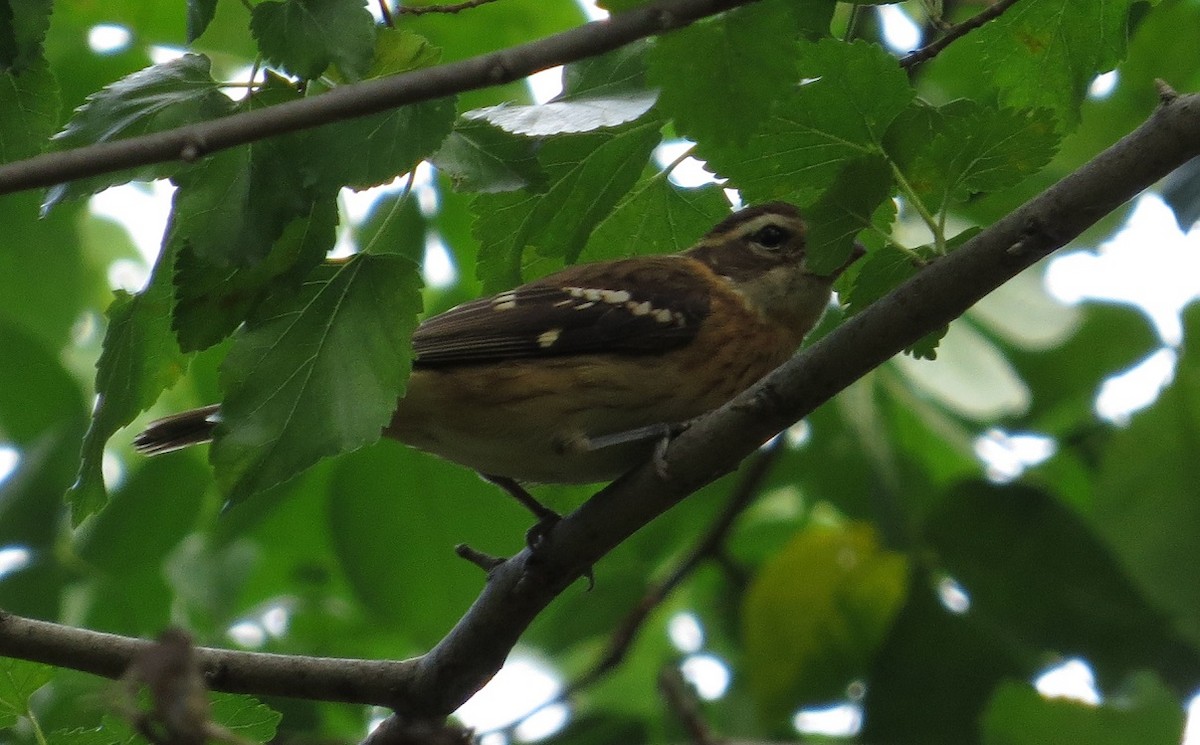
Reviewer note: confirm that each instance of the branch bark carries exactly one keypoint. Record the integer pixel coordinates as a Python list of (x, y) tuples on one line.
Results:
[(437, 683), (361, 99)]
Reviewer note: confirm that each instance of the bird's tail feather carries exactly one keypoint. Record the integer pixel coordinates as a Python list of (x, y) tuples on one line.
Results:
[(178, 431)]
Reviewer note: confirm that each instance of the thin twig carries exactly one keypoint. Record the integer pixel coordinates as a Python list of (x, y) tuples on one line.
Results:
[(360, 99), (681, 700), (928, 52), (416, 10), (707, 547), (386, 13)]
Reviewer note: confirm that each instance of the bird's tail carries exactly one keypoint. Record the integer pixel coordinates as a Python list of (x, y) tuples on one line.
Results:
[(178, 431)]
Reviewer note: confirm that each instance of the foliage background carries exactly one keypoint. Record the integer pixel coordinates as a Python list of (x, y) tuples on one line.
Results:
[(833, 582)]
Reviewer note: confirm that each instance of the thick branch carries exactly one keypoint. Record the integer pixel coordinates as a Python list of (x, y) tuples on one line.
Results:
[(350, 101), (108, 655), (519, 589)]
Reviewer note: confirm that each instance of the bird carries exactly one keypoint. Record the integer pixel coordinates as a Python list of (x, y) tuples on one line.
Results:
[(576, 376)]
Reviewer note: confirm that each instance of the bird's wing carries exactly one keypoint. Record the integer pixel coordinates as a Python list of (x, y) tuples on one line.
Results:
[(620, 306)]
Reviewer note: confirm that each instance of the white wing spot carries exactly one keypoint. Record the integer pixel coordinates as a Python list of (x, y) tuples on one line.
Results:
[(616, 297), (547, 338), (662, 315), (638, 309), (504, 301), (585, 306)]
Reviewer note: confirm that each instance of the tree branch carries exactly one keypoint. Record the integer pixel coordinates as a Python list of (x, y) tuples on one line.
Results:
[(928, 52), (437, 683), (361, 99)]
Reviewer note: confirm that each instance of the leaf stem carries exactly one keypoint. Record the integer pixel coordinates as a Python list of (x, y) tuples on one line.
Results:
[(935, 226)]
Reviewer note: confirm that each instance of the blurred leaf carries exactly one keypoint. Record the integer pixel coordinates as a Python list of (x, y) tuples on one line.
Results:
[(657, 217), (46, 282), (305, 37), (1181, 191), (1066, 378), (816, 612), (484, 159), (1146, 506), (157, 98), (28, 111), (315, 373), (721, 77), (395, 516), (1034, 569), (587, 175), (1146, 713), (139, 507), (858, 89), (140, 359), (932, 678)]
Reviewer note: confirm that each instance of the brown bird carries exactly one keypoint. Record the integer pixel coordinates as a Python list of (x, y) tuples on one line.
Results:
[(576, 376)]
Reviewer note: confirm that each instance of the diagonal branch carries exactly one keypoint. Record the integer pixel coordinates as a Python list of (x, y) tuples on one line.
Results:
[(437, 683), (350, 101), (929, 51)]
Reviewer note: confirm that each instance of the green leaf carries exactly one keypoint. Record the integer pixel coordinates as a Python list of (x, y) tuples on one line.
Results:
[(976, 149), (936, 661), (484, 159), (28, 112), (395, 225), (720, 78), (305, 37), (137, 508), (567, 117), (656, 217), (1147, 713), (245, 716), (222, 207), (199, 14), (316, 372), (157, 98), (1023, 548), (395, 515), (880, 272), (139, 360), (400, 50), (587, 175), (23, 28), (1045, 53), (1145, 498), (815, 613), (619, 72), (373, 150), (844, 210), (19, 680), (212, 301), (855, 92)]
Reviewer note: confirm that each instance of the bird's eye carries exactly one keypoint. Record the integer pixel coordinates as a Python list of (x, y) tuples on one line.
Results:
[(771, 236)]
